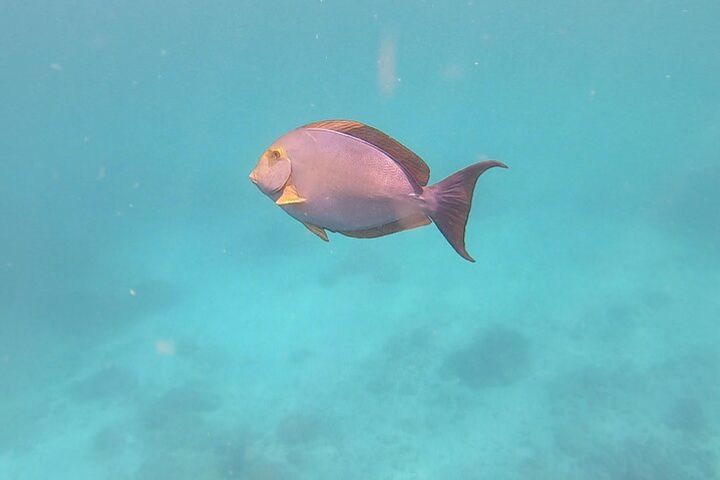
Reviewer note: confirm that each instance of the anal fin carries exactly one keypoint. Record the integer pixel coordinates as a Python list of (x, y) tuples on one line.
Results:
[(406, 223), (319, 231), (289, 196)]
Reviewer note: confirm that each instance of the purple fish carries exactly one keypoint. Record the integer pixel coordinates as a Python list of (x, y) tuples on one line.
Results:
[(350, 178)]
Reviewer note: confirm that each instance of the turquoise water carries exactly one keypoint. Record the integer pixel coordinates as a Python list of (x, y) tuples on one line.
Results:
[(161, 319)]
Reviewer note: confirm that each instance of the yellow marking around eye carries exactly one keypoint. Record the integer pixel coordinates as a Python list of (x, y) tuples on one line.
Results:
[(275, 153)]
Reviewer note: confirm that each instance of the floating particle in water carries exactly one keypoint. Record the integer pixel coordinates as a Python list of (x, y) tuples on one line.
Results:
[(387, 74), (133, 292), (163, 52), (452, 72), (165, 347), (56, 66)]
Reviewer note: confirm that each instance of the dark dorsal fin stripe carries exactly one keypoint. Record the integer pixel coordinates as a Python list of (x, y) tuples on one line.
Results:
[(411, 163)]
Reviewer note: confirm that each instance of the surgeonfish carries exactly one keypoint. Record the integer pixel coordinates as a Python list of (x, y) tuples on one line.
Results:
[(347, 177)]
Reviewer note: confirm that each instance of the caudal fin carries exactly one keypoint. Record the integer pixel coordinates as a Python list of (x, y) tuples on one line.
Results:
[(450, 201)]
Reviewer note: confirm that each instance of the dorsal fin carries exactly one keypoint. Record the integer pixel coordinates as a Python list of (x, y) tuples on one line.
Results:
[(411, 163)]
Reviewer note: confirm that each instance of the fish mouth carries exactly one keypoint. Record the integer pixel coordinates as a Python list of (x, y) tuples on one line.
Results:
[(253, 177)]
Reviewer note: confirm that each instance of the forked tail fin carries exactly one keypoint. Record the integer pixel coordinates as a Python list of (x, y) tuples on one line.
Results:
[(450, 201)]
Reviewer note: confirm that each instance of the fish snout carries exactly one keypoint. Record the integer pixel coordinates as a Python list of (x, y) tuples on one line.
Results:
[(253, 177)]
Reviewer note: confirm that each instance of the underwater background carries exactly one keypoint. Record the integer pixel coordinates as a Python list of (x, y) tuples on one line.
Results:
[(160, 318)]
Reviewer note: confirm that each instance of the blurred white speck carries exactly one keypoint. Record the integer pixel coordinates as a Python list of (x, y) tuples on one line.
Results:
[(86, 139), (101, 173), (160, 76), (132, 292), (399, 79), (317, 36), (592, 92), (224, 251), (165, 347), (130, 205), (375, 16), (163, 52), (134, 82), (56, 66), (312, 105), (668, 76), (453, 72), (136, 184), (477, 63), (387, 75)]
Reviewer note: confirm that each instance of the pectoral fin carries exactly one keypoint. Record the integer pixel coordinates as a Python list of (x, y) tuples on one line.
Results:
[(289, 195), (319, 231)]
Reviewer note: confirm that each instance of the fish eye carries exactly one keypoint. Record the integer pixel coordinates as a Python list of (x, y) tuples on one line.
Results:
[(274, 154)]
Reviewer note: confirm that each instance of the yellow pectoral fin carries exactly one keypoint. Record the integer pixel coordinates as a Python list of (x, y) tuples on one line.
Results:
[(289, 195)]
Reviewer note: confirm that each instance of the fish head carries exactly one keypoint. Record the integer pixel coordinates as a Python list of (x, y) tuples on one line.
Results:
[(272, 171)]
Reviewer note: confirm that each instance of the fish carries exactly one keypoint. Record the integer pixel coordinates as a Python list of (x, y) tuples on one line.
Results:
[(347, 177)]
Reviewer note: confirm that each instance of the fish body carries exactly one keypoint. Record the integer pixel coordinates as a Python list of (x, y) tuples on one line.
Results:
[(347, 177)]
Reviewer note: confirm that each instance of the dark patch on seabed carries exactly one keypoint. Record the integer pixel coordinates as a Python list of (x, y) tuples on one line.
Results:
[(497, 356), (688, 208), (405, 363), (663, 440), (107, 385)]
